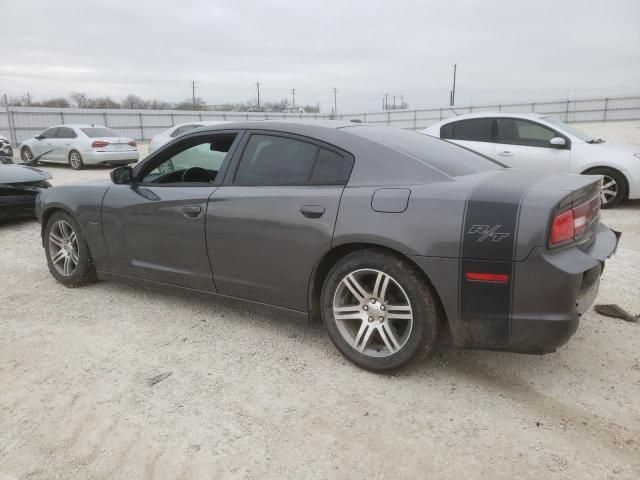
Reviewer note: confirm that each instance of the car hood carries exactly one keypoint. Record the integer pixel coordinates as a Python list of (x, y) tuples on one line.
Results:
[(21, 174)]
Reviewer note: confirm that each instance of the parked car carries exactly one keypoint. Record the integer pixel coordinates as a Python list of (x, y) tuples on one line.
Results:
[(543, 143), (5, 147), (80, 145), (170, 133), (19, 186), (386, 235)]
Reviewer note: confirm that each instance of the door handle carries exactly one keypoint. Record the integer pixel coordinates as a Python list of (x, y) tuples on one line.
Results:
[(312, 211), (191, 211), (506, 153)]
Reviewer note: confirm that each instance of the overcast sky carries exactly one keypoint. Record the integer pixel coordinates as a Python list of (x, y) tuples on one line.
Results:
[(506, 50)]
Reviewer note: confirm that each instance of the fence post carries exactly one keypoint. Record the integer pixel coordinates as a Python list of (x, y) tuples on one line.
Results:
[(440, 114), (606, 106), (200, 116), (173, 121), (566, 111), (364, 118), (141, 127), (499, 107), (415, 123), (12, 130), (388, 118), (61, 117), (470, 108), (104, 114)]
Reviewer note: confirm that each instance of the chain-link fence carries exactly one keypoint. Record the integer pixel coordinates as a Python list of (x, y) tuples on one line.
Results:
[(20, 123)]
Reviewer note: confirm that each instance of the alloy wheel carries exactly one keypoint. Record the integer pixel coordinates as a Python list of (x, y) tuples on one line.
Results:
[(63, 248), (75, 160), (372, 312), (26, 155), (609, 190)]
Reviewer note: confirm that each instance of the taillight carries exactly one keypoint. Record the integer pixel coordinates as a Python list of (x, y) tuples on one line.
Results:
[(99, 144), (572, 223), (133, 143)]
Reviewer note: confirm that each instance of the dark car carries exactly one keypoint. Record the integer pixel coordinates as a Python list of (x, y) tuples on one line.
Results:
[(19, 186), (386, 235)]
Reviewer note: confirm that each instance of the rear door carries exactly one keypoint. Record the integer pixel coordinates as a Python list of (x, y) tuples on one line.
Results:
[(475, 133), (526, 144), (61, 143), (274, 216), (155, 228)]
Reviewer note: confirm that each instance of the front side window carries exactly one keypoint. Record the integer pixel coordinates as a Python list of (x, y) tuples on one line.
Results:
[(515, 131), (474, 130), (274, 160), (194, 160)]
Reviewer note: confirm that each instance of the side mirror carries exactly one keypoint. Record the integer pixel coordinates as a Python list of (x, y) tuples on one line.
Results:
[(122, 175), (38, 137), (558, 142)]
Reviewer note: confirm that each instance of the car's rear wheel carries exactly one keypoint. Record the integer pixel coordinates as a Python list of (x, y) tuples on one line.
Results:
[(614, 186), (75, 160), (26, 154), (67, 252), (379, 311)]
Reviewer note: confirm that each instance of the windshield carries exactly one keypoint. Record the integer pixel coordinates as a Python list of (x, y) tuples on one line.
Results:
[(95, 132), (447, 157), (585, 137)]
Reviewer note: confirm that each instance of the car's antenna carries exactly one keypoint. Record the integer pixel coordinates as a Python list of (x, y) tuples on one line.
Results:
[(456, 113)]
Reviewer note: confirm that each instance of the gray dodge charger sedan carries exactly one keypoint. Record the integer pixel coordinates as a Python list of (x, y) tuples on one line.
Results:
[(385, 235)]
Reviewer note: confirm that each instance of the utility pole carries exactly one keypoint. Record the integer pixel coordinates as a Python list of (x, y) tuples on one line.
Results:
[(402, 101), (258, 87), (28, 99), (394, 102), (293, 95), (452, 98), (335, 100), (383, 103), (193, 93), (386, 101)]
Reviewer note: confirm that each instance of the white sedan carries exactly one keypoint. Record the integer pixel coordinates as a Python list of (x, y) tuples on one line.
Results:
[(541, 142), (169, 134), (80, 145)]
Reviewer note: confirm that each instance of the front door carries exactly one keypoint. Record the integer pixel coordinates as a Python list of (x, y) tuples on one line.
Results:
[(273, 219), (155, 228), (526, 144)]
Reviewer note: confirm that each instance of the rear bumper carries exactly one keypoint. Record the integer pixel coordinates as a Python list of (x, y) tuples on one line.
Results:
[(546, 295), (113, 158), (553, 289)]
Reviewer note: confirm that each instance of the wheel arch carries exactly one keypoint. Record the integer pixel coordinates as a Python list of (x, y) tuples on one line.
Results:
[(46, 215), (338, 252), (617, 170)]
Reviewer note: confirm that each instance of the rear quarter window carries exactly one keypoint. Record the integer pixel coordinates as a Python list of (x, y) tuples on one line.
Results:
[(444, 156)]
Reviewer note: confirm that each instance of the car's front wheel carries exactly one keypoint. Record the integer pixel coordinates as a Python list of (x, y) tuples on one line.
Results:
[(614, 186), (75, 160), (379, 311), (26, 154), (67, 252)]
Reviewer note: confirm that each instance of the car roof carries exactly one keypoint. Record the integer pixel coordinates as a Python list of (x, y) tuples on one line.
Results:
[(77, 125), (291, 125)]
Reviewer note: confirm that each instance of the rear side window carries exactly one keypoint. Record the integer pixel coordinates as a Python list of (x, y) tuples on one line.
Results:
[(515, 131), (274, 160), (95, 132), (475, 130), (66, 132), (447, 157)]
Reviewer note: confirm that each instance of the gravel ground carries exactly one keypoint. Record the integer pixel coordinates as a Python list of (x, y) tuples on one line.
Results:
[(255, 396)]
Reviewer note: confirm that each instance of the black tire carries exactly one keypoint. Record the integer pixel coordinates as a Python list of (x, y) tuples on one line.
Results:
[(26, 155), (620, 182), (419, 342), (85, 271), (75, 160)]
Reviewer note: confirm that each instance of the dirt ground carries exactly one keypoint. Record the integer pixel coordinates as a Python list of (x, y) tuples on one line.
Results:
[(251, 395)]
